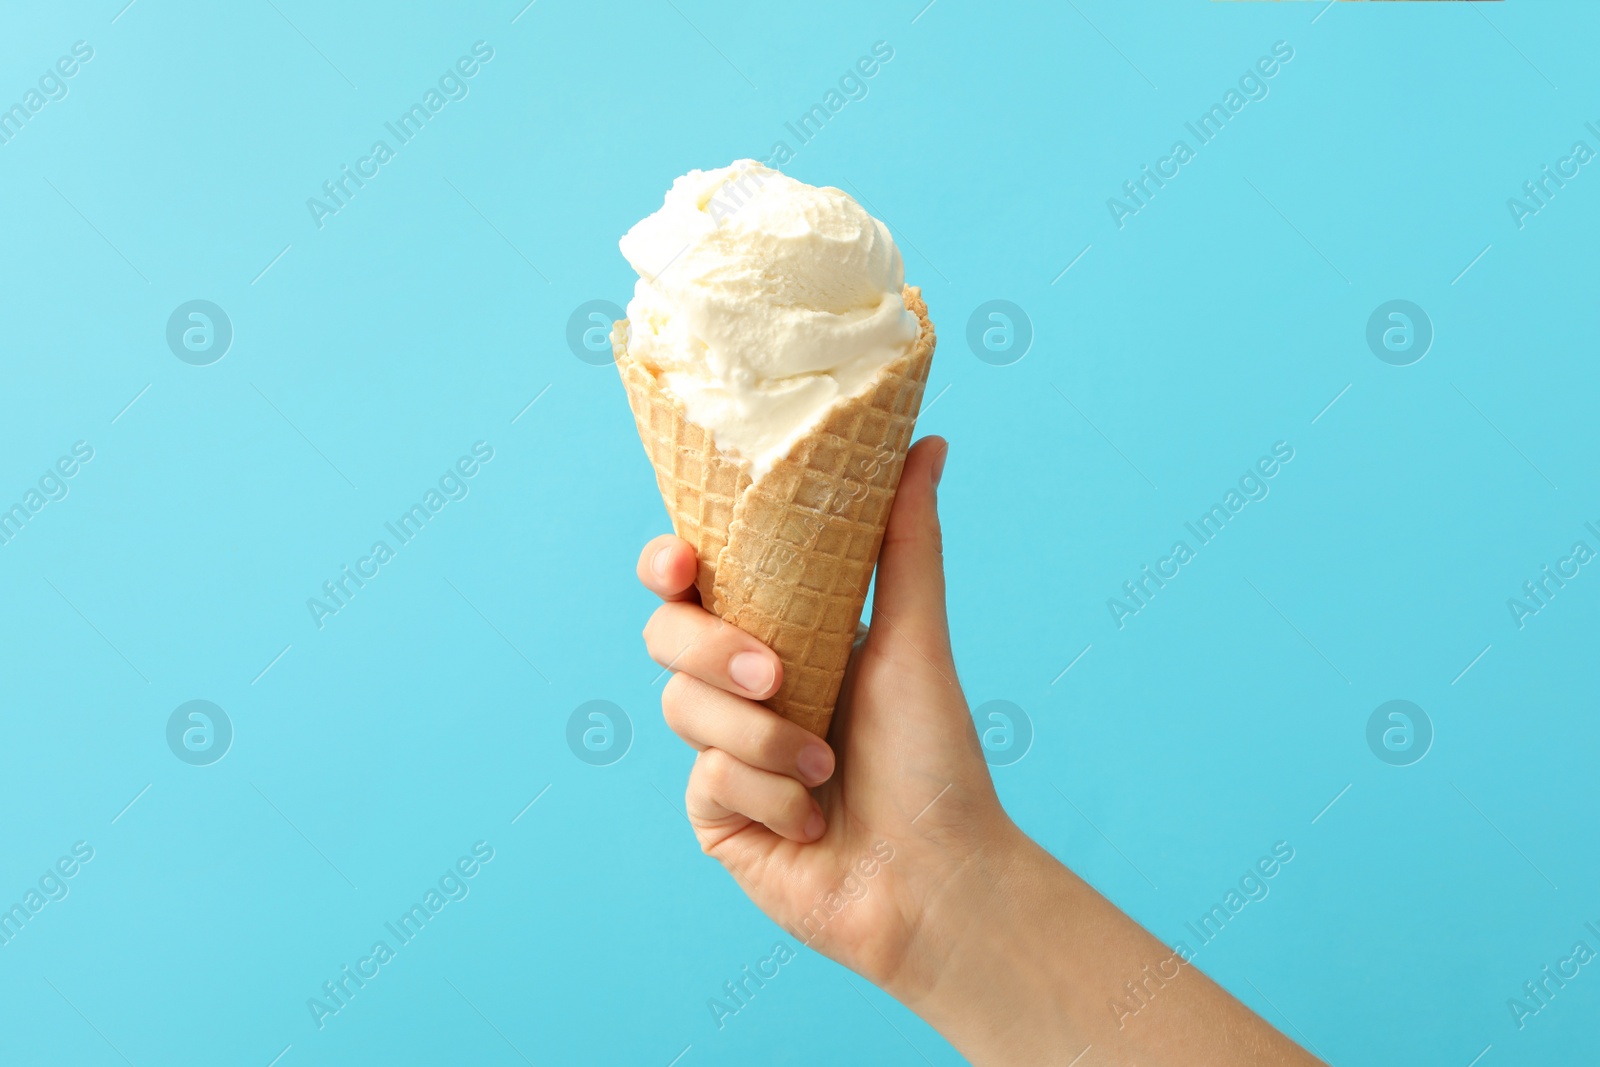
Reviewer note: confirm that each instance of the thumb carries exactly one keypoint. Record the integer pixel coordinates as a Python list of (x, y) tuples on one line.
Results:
[(910, 592)]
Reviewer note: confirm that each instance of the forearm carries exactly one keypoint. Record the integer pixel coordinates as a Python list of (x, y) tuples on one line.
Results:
[(1031, 966)]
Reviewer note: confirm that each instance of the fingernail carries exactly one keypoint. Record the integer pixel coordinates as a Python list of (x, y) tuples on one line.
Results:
[(751, 671), (815, 825), (815, 763), (658, 562), (938, 465)]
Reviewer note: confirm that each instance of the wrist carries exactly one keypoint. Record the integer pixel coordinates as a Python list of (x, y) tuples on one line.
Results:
[(991, 946), (971, 921), (1018, 961)]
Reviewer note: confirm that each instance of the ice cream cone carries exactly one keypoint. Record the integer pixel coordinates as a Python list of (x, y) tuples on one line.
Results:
[(788, 557)]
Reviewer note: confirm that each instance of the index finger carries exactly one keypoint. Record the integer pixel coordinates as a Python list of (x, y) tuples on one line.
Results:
[(667, 568)]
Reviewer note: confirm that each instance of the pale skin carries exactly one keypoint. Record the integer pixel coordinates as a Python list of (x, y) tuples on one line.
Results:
[(970, 924)]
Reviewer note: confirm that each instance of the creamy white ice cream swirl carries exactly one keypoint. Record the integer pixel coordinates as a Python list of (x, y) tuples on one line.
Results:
[(764, 302)]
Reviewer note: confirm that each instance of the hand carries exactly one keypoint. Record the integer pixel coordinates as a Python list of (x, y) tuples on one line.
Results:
[(889, 851), (889, 814)]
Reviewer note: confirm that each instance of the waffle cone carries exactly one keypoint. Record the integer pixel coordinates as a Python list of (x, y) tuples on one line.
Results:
[(788, 558)]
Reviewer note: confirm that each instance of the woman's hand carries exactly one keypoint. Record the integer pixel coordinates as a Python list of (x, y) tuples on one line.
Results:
[(889, 851), (850, 846)]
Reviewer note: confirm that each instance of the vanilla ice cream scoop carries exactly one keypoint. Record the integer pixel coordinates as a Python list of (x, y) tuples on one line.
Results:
[(764, 302)]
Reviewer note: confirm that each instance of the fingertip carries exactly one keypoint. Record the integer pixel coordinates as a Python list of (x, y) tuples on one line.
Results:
[(759, 672), (651, 547), (815, 763), (910, 579), (923, 469), (915, 511), (815, 826), (667, 566), (679, 564)]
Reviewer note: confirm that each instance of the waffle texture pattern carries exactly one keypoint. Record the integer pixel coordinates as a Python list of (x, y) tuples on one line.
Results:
[(788, 558)]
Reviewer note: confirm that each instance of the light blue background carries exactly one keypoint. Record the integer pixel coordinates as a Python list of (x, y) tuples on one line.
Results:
[(428, 313)]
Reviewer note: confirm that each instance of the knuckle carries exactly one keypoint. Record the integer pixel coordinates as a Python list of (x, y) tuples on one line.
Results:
[(671, 706), (767, 741), (652, 631), (677, 698), (795, 807), (716, 769)]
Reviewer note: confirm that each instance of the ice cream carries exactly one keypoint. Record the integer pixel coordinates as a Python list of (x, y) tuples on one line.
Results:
[(762, 303), (775, 366)]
